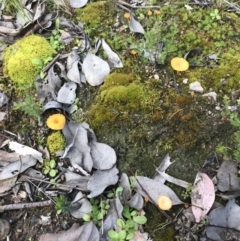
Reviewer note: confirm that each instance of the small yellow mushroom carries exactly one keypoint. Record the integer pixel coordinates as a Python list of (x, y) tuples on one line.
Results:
[(149, 13), (179, 64), (164, 202), (56, 122), (127, 16), (157, 12)]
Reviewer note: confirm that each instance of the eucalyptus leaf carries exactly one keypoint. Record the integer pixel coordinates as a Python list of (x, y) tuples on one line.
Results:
[(17, 167), (228, 176), (89, 233), (112, 56), (95, 69), (224, 221), (134, 25), (136, 202), (67, 93), (104, 156), (124, 183), (3, 99), (78, 3), (102, 179), (72, 65), (25, 150), (85, 206), (154, 189), (76, 136)]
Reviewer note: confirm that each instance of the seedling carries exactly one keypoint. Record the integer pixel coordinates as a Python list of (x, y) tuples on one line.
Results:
[(49, 168), (127, 227), (62, 205), (29, 106), (99, 211), (55, 39), (215, 15)]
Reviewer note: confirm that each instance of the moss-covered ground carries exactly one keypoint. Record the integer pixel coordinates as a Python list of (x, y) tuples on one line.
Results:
[(145, 110)]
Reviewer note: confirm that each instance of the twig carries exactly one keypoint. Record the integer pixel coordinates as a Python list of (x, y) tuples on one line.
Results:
[(135, 7), (60, 186), (26, 205)]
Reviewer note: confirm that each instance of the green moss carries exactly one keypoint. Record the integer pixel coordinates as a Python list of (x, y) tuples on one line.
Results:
[(222, 78), (120, 97), (55, 142), (93, 14), (18, 58)]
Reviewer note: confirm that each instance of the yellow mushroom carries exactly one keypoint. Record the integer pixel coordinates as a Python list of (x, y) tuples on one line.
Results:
[(179, 64), (56, 121), (149, 13), (164, 202), (127, 16)]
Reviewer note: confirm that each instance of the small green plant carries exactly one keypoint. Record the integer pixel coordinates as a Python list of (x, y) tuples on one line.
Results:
[(215, 15), (99, 210), (62, 205), (40, 63), (188, 191), (126, 228), (29, 106), (222, 150), (115, 193), (49, 168), (55, 39)]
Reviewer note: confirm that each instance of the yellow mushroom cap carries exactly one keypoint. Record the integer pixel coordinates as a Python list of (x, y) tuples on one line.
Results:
[(56, 121), (164, 202), (127, 16), (179, 64), (149, 13)]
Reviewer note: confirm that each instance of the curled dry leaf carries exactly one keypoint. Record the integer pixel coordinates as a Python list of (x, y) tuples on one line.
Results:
[(153, 189), (102, 179), (136, 202), (104, 157), (228, 176), (25, 150), (67, 93), (7, 184), (203, 196), (225, 222), (78, 3), (113, 58), (135, 26), (72, 65), (83, 208), (95, 69), (17, 167), (89, 233), (70, 235), (124, 183), (76, 136), (3, 99)]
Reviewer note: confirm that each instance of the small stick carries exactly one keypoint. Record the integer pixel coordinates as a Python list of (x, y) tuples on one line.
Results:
[(25, 205)]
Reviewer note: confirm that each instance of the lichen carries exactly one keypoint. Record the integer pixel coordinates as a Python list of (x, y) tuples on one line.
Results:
[(18, 58), (55, 142)]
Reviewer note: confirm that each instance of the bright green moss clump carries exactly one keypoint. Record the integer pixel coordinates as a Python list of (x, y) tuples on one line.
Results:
[(92, 14), (18, 58), (55, 142)]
